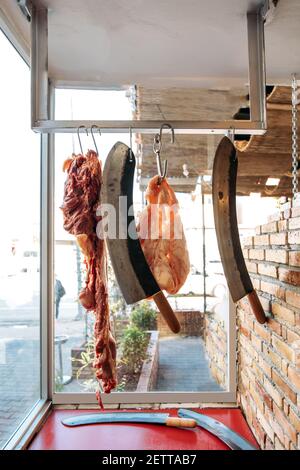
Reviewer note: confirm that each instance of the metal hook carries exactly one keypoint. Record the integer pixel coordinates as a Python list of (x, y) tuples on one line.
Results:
[(81, 127), (168, 126), (93, 137), (230, 134), (157, 146)]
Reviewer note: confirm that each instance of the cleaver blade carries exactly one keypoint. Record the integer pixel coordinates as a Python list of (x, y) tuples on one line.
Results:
[(132, 271)]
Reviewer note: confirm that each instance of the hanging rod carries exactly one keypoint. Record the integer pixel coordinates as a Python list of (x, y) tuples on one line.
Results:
[(42, 114), (151, 127)]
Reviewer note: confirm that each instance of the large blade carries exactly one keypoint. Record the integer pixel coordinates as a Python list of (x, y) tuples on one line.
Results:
[(231, 438), (132, 417), (224, 204), (95, 418), (132, 271)]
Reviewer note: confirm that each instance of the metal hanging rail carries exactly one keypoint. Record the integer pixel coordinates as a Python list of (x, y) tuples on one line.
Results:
[(40, 117)]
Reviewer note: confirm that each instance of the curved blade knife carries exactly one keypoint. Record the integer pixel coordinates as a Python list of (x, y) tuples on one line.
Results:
[(231, 438), (132, 271), (224, 204), (150, 418)]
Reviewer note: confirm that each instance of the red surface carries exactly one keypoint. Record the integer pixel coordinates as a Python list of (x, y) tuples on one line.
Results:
[(55, 436)]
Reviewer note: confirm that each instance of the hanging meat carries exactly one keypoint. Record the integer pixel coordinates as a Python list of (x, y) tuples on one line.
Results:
[(162, 236), (81, 200)]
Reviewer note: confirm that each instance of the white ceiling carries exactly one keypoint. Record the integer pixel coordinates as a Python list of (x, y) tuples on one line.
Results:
[(163, 42)]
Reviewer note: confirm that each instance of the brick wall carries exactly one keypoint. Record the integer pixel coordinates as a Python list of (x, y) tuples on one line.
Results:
[(191, 323), (215, 338), (269, 355)]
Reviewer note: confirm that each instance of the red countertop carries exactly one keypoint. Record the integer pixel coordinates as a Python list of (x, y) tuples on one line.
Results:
[(55, 436)]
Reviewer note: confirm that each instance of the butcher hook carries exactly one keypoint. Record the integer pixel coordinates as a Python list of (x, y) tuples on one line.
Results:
[(157, 146), (81, 127), (93, 137)]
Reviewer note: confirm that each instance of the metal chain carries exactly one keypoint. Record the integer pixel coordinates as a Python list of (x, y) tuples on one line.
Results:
[(294, 138)]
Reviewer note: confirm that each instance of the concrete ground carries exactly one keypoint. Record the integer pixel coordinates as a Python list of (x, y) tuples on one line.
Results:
[(183, 366)]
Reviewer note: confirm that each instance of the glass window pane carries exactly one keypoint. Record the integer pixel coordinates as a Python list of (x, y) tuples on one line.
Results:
[(150, 359), (19, 246)]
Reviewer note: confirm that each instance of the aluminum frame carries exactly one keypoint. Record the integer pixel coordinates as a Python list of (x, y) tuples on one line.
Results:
[(36, 415), (227, 396), (42, 122)]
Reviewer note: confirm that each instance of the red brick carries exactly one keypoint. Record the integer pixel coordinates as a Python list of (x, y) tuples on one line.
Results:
[(292, 336), (263, 332), (282, 225), (273, 289), (269, 228), (273, 392), (294, 258), (285, 424), (252, 267), (279, 311), (277, 256), (256, 397), (286, 407), (283, 386), (294, 377), (283, 348), (267, 270), (294, 237), (264, 395), (294, 419), (289, 275), (259, 432), (293, 298), (265, 424), (245, 331), (265, 366), (274, 325), (273, 357), (278, 238), (261, 240), (254, 253), (294, 223)]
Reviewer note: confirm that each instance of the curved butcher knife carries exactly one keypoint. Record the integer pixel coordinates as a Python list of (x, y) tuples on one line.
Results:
[(224, 204), (234, 440), (132, 271)]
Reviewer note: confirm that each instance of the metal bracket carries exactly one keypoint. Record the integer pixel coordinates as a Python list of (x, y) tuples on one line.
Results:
[(41, 121)]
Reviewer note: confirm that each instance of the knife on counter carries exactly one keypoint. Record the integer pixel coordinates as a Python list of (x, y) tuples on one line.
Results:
[(132, 271), (129, 417), (225, 434)]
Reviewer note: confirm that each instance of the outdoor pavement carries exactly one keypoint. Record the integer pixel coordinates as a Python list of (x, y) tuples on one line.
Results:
[(183, 366)]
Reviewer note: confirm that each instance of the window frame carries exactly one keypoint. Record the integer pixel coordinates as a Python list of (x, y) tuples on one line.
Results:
[(23, 433), (88, 398), (48, 397)]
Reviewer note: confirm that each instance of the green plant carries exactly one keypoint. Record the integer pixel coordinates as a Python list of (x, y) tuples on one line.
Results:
[(134, 343), (144, 316)]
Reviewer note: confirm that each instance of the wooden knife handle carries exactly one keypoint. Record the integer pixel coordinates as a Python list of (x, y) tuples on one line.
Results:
[(166, 310), (181, 422), (256, 307)]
